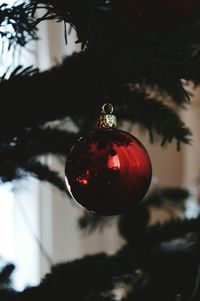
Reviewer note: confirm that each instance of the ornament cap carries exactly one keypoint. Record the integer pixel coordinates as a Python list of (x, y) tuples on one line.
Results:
[(107, 120)]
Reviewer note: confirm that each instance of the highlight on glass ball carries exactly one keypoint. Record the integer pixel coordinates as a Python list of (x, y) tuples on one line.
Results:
[(108, 171)]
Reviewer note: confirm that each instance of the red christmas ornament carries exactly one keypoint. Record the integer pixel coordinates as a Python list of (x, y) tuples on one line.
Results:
[(108, 171), (154, 15)]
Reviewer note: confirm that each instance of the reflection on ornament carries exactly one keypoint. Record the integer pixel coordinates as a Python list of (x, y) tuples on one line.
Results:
[(113, 162)]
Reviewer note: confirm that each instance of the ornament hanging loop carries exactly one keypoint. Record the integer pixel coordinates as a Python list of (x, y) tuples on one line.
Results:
[(107, 120), (107, 108)]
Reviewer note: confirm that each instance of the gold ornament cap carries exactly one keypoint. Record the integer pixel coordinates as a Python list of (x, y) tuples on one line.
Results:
[(107, 120)]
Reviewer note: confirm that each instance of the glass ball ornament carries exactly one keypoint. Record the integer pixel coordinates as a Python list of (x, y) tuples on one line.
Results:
[(108, 171)]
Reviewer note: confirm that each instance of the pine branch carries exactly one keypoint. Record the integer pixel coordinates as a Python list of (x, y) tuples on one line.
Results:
[(154, 115), (20, 72), (39, 141), (17, 26), (44, 173), (172, 230), (79, 71), (46, 87), (21, 155), (135, 226), (91, 222), (160, 196), (153, 59), (147, 237), (132, 224), (73, 12), (5, 275), (143, 275)]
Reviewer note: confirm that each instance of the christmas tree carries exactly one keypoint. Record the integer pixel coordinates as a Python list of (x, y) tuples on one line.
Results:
[(140, 57)]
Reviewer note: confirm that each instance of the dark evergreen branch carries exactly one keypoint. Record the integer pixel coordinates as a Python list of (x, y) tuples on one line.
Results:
[(137, 220), (17, 26), (180, 229), (158, 233), (66, 281), (160, 196), (154, 115), (154, 59), (79, 71), (143, 273), (73, 12), (91, 222), (20, 71), (5, 275), (42, 90), (135, 225), (44, 173), (20, 155), (37, 142)]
